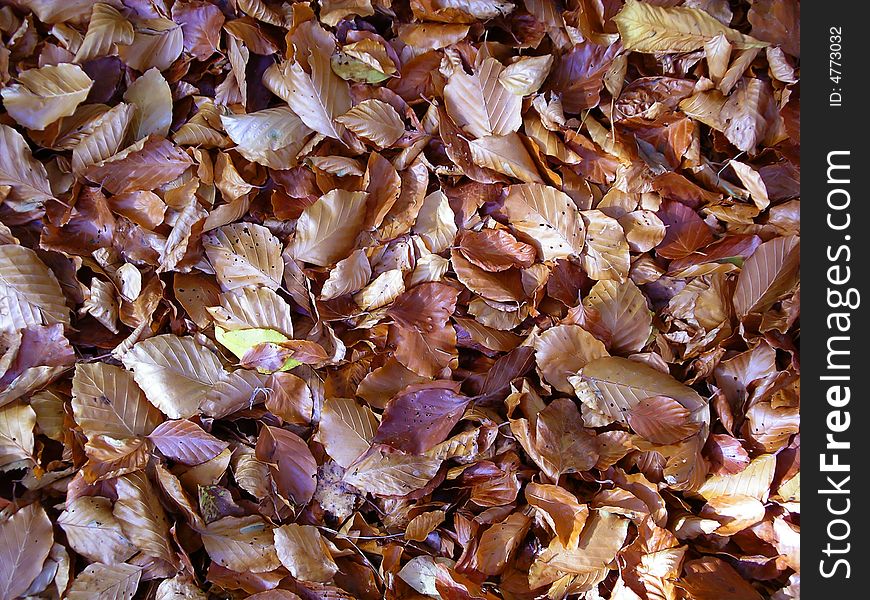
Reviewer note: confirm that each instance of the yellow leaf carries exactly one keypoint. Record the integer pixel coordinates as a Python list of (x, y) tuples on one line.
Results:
[(241, 341)]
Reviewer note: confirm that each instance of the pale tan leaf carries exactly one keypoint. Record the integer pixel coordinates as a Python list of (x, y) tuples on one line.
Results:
[(16, 435), (753, 481), (767, 275), (92, 530), (148, 163), (613, 386), (106, 28), (383, 289), (753, 182), (601, 539), (180, 587), (734, 513), (527, 75), (253, 308), (251, 474), (262, 12), (606, 255), (25, 541), (19, 170), (262, 134), (186, 442), (106, 582), (109, 457), (744, 114), (156, 43), (340, 166), (45, 95), (480, 104), (706, 107), (176, 373), (178, 243), (326, 231), (29, 291), (546, 218), (644, 27), (106, 400), (385, 472), (244, 254), (240, 389), (505, 154), (562, 351), (142, 517), (49, 408), (375, 121), (241, 544), (429, 267), (349, 275), (304, 553), (436, 223), (151, 96), (102, 304), (346, 429), (643, 230), (318, 98), (105, 140), (621, 310)]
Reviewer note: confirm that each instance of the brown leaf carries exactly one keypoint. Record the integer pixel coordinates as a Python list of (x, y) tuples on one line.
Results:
[(25, 541), (185, 442), (480, 104), (304, 553), (241, 544), (92, 530), (563, 350), (106, 582), (560, 509), (244, 254), (293, 467), (766, 275), (175, 373), (148, 163), (709, 577), (421, 416), (661, 420), (142, 517), (46, 94), (386, 472), (346, 429), (326, 230), (495, 250), (547, 218)]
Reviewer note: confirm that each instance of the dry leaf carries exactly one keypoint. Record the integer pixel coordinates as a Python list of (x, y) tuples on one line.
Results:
[(175, 373), (25, 541), (304, 553), (645, 27), (546, 218), (47, 94)]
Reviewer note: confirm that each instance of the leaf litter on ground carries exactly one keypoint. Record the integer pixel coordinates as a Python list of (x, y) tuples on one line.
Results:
[(464, 299)]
